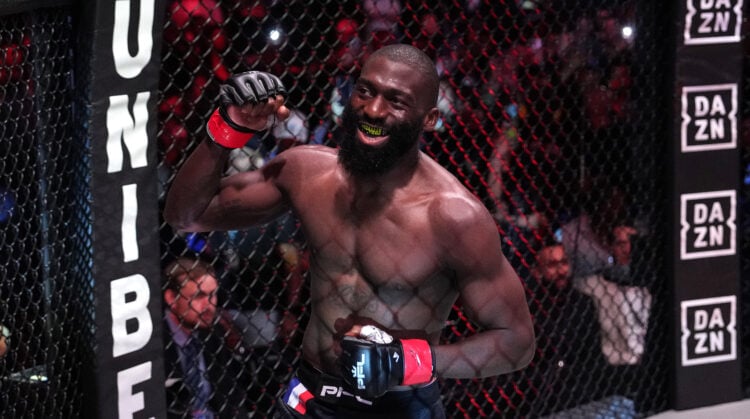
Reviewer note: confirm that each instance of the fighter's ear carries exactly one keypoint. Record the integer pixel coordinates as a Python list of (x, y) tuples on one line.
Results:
[(431, 119)]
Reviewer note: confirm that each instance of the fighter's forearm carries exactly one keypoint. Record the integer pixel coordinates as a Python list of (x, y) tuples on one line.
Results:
[(485, 354), (195, 185)]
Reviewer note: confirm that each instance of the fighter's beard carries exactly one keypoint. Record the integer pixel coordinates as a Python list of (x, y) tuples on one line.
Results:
[(363, 160)]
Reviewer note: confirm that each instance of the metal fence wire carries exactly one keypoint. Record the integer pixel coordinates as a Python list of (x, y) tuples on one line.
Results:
[(547, 115), (744, 209), (45, 236)]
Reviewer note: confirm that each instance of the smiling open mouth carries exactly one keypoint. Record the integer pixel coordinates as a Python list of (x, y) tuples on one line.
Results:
[(371, 130)]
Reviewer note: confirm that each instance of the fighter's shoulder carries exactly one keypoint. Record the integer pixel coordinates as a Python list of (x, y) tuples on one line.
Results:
[(462, 224), (311, 150), (451, 201), (309, 157), (458, 207)]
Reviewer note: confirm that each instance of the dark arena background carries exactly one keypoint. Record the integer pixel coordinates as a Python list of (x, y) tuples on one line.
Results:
[(618, 130)]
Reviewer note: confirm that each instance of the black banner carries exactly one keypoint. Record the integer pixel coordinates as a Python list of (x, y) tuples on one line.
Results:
[(705, 185), (125, 56), (8, 7)]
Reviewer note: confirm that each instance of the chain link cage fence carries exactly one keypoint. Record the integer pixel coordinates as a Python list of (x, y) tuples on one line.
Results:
[(745, 206), (45, 252), (549, 114)]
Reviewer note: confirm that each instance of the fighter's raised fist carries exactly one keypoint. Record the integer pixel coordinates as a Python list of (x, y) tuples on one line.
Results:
[(249, 102), (251, 87)]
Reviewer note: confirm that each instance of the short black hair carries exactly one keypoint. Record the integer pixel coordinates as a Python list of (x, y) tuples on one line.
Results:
[(417, 59)]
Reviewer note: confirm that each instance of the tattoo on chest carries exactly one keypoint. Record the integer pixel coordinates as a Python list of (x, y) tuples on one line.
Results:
[(356, 298)]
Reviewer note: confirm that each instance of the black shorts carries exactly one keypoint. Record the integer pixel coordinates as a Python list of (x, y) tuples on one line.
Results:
[(313, 394)]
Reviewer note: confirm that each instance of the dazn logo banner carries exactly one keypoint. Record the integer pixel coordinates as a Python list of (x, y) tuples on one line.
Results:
[(708, 224), (709, 332), (712, 21), (709, 117)]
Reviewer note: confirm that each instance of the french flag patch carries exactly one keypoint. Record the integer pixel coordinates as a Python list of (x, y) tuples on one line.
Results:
[(297, 395)]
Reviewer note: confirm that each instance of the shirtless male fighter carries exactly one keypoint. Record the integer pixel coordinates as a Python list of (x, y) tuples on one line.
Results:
[(395, 240)]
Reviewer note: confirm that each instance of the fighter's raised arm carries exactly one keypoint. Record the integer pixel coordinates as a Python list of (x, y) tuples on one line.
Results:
[(199, 199)]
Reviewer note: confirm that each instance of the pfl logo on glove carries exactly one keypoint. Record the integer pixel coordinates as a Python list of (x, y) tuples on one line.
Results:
[(358, 372), (375, 362)]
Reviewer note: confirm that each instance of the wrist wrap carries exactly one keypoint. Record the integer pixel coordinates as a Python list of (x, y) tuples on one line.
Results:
[(226, 133), (419, 362)]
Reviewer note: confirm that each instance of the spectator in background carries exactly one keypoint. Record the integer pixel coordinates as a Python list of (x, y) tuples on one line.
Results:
[(290, 132), (472, 133), (195, 56), (173, 135), (194, 59), (344, 67), (567, 336), (195, 31), (608, 30), (585, 237), (423, 29), (382, 22), (448, 105), (204, 354), (4, 340), (6, 359), (599, 243), (348, 45)]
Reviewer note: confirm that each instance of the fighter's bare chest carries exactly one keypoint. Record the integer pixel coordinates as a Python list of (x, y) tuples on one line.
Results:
[(394, 244), (380, 250)]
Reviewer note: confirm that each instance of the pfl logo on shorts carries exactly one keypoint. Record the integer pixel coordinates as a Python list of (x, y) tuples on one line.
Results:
[(712, 21), (709, 117), (708, 330), (708, 224), (334, 391)]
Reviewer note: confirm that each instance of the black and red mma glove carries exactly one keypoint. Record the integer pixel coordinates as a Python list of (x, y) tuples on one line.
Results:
[(376, 363), (240, 89)]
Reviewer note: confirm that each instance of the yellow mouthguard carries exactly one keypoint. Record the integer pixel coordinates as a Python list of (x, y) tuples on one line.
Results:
[(370, 130)]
